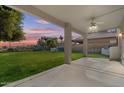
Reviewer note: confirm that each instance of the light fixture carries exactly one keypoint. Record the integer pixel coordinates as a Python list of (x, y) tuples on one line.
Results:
[(120, 34), (93, 27)]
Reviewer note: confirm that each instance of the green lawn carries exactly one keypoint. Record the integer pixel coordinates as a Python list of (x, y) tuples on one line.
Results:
[(18, 65)]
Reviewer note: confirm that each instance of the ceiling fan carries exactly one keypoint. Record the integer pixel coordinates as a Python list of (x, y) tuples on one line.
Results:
[(93, 27)]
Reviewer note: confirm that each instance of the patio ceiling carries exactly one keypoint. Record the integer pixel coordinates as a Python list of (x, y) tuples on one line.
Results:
[(79, 15)]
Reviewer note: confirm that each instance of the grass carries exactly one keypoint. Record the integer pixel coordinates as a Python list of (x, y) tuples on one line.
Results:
[(18, 65)]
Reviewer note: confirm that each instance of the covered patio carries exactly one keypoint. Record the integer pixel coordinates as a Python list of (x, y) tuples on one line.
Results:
[(78, 19), (85, 71)]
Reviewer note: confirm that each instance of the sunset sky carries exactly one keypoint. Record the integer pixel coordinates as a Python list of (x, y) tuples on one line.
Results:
[(35, 27)]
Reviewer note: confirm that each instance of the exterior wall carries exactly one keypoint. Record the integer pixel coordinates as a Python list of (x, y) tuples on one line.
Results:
[(77, 47), (96, 44), (101, 42)]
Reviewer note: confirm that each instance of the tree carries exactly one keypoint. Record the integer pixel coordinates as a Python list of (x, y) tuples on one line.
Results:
[(61, 38), (42, 42), (51, 43), (47, 43), (10, 24), (39, 42)]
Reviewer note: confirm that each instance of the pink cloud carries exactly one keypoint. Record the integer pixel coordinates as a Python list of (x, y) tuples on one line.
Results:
[(34, 36), (40, 30), (41, 21), (36, 33)]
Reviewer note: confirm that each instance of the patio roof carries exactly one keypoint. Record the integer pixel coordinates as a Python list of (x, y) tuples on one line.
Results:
[(78, 16)]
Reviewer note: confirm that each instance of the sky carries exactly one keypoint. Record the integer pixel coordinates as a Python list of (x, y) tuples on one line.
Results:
[(35, 27)]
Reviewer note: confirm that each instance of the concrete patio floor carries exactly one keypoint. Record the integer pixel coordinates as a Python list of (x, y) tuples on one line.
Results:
[(85, 72)]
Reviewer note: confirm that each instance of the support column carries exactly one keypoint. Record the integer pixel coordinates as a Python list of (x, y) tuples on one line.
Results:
[(122, 41), (85, 45), (67, 43), (122, 47), (119, 35)]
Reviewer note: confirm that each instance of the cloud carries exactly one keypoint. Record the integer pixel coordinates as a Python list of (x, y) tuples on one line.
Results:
[(41, 21), (32, 36), (38, 30), (36, 33)]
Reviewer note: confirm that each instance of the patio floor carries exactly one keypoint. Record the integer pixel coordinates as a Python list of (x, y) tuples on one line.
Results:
[(85, 72)]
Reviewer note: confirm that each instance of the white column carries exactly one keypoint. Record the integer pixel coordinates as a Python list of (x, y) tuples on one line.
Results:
[(119, 38), (85, 45), (119, 35), (67, 43), (122, 45), (122, 48), (122, 40)]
